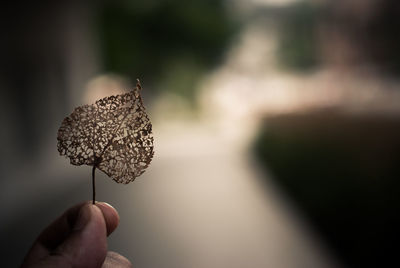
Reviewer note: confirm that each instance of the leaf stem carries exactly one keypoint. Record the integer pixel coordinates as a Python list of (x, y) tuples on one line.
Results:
[(93, 183)]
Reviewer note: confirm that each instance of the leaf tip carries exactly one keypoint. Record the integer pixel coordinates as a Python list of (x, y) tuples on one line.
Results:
[(138, 85)]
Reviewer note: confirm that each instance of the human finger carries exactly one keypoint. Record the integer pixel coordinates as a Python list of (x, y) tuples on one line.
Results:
[(110, 214), (77, 238), (116, 260)]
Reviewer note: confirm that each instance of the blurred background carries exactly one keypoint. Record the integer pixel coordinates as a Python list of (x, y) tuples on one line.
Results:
[(276, 126)]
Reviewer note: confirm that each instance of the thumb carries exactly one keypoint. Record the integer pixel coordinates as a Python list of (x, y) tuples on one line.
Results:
[(86, 245)]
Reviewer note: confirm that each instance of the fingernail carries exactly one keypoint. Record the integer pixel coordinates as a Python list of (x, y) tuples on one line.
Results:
[(106, 204), (83, 218)]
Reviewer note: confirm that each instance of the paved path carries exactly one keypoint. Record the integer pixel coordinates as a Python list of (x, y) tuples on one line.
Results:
[(202, 203)]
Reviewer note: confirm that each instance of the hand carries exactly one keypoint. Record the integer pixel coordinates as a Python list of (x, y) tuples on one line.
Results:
[(78, 238)]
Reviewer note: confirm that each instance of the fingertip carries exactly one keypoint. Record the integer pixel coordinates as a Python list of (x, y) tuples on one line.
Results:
[(110, 214), (114, 259)]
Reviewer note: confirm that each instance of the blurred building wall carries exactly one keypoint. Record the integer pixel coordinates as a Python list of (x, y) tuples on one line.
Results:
[(47, 54)]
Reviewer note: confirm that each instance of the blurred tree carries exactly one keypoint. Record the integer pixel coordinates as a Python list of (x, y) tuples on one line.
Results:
[(297, 48), (174, 42), (361, 33)]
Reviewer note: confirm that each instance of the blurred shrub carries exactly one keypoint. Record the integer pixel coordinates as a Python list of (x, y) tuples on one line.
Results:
[(342, 172)]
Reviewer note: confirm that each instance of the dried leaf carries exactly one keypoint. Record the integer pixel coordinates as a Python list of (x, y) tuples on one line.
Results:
[(114, 135)]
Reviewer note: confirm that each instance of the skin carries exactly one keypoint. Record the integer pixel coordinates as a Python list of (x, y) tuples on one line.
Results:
[(78, 238)]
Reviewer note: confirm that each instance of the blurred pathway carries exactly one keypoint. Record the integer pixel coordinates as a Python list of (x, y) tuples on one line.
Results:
[(202, 203)]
